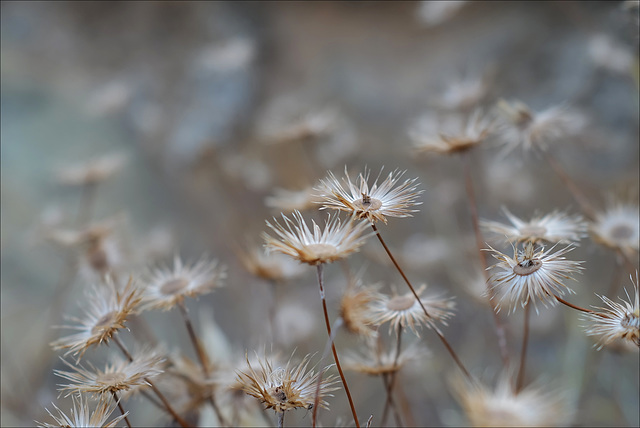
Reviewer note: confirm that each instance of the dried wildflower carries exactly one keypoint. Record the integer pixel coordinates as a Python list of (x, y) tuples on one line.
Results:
[(335, 242), (462, 137), (287, 388), (405, 311), (199, 389), (529, 129), (91, 172), (374, 363), (373, 203), (504, 407), (617, 320), (269, 266), (355, 309), (106, 311), (166, 288), (312, 125), (117, 376), (100, 250), (531, 275), (288, 201), (555, 227), (608, 54), (464, 93), (618, 227), (81, 415)]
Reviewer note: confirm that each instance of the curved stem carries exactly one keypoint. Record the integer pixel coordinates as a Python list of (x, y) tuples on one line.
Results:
[(473, 208), (576, 307), (202, 356), (333, 349), (117, 400), (167, 406), (435, 329), (336, 325), (523, 350)]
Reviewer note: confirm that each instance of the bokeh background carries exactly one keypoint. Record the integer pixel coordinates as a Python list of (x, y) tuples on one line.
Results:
[(215, 105)]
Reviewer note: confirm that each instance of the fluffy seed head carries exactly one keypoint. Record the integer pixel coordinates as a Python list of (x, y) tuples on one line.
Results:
[(617, 320), (286, 388), (555, 227), (375, 203), (531, 275), (335, 242), (106, 311), (403, 311), (82, 416), (117, 376), (164, 287), (618, 227)]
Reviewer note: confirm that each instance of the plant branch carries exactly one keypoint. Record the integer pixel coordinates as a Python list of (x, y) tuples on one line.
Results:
[(435, 329), (523, 350)]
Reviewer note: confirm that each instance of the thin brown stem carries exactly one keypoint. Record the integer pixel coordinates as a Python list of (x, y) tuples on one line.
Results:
[(280, 419), (473, 208), (333, 350), (117, 401), (202, 357), (523, 350), (572, 306), (435, 329), (389, 402), (162, 398)]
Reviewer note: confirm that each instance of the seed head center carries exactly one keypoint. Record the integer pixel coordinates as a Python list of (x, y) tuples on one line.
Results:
[(114, 378), (401, 303), (621, 232), (367, 203), (174, 286), (630, 321), (322, 251), (527, 267), (537, 231), (105, 321)]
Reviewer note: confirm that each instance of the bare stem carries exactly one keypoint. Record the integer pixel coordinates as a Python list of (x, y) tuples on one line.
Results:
[(336, 325), (523, 350), (473, 208), (167, 406), (389, 402), (202, 357), (280, 419), (440, 336), (117, 400), (333, 349)]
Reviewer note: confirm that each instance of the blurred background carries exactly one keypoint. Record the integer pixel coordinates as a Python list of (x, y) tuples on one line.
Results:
[(202, 115)]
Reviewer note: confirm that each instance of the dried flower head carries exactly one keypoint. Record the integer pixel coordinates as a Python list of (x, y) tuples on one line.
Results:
[(82, 416), (528, 129), (288, 201), (93, 171), (355, 308), (504, 407), (404, 311), (312, 125), (465, 93), (617, 320), (164, 288), (375, 363), (286, 388), (531, 275), (335, 242), (97, 243), (618, 227), (118, 375), (198, 388), (556, 227), (373, 203), (106, 311), (462, 136), (269, 266)]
